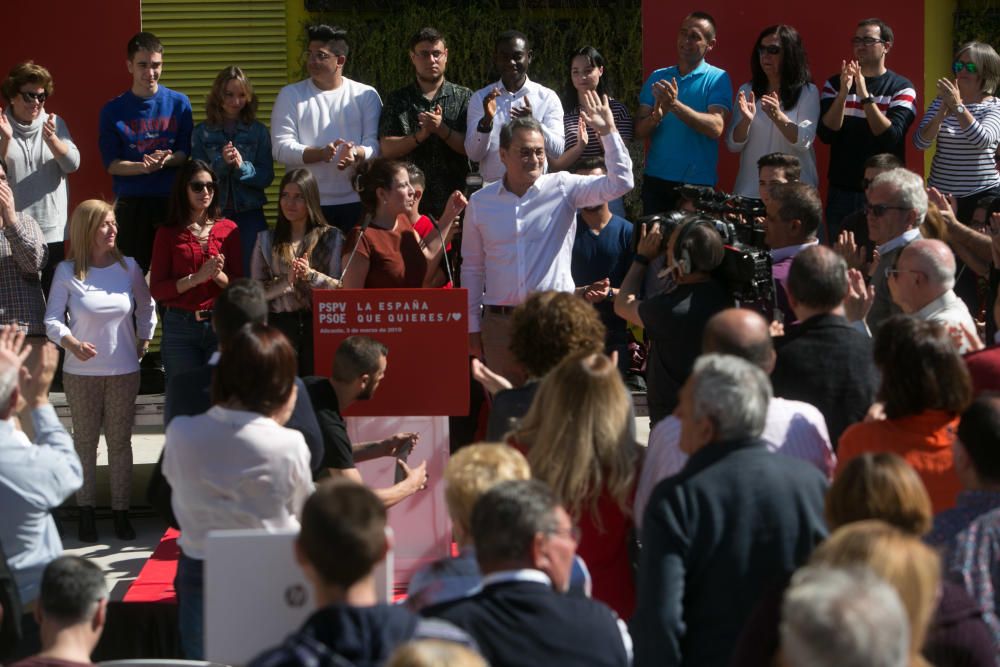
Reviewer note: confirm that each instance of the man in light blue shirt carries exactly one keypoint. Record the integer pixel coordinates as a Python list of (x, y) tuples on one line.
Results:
[(34, 478), (683, 110)]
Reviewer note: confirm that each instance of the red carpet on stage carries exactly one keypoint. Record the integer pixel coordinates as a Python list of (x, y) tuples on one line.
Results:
[(155, 582)]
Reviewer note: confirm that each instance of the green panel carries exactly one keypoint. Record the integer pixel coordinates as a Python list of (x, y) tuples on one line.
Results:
[(201, 37)]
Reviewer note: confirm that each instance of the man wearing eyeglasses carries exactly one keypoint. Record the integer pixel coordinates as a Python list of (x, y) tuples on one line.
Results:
[(922, 283), (327, 124), (425, 122), (145, 134), (866, 109), (897, 204)]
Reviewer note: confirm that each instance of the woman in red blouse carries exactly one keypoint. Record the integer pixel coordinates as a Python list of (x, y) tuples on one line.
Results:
[(388, 252), (195, 255), (578, 440)]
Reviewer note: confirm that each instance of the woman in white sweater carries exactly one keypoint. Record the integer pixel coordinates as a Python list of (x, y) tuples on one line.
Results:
[(101, 313), (40, 154)]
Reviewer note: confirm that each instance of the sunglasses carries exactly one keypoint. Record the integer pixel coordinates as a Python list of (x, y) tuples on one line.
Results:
[(201, 186), (34, 97), (958, 66), (769, 49), (878, 210)]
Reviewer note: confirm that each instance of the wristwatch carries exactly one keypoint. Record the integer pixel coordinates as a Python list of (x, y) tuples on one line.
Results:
[(868, 100), (960, 109), (485, 127)]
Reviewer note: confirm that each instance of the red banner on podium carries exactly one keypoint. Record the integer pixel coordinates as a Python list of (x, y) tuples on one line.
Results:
[(427, 333)]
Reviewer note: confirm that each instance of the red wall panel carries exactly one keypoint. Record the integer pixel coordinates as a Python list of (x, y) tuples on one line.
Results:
[(826, 32), (83, 45)]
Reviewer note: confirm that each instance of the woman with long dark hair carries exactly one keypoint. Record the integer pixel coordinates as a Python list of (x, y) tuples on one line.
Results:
[(777, 110), (195, 254), (587, 73), (302, 253)]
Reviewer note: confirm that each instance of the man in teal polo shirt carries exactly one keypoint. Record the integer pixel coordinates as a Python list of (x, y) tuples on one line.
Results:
[(684, 109)]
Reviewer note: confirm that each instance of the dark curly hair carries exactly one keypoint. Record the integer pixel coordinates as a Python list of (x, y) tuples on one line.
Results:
[(550, 326)]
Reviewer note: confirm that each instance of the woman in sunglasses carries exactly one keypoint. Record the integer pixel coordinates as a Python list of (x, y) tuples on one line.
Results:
[(195, 255), (964, 118), (777, 110), (39, 154)]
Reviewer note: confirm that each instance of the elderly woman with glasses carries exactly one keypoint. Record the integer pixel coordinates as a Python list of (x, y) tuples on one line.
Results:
[(195, 255), (964, 119), (40, 154)]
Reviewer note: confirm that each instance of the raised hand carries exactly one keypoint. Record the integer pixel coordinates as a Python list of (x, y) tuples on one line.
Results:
[(596, 112), (49, 128), (860, 297), (770, 104), (846, 77), (860, 85), (747, 105), (6, 131), (671, 93), (7, 211), (456, 204), (847, 248), (583, 137), (650, 241), (490, 104), (951, 97)]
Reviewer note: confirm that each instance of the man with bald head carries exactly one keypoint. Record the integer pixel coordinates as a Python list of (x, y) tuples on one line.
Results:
[(792, 428), (921, 285), (823, 360)]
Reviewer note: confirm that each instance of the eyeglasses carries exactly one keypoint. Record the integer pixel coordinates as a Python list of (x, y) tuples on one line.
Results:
[(958, 66), (34, 97), (321, 56), (895, 272), (878, 210), (769, 49), (426, 55), (201, 186), (573, 533), (867, 41)]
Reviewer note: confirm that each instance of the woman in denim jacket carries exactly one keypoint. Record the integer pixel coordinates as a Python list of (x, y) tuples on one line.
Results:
[(238, 147)]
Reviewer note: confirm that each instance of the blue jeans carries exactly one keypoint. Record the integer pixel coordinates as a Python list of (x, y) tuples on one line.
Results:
[(840, 203), (250, 223), (190, 587), (186, 343), (343, 216)]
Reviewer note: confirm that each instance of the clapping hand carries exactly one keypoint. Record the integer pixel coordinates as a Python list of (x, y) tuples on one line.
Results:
[(430, 121), (347, 152), (456, 204), (770, 104), (860, 85), (583, 137), (847, 248), (300, 268), (49, 128), (490, 104), (949, 94), (747, 105), (522, 111), (846, 76), (6, 131), (232, 156), (860, 297), (7, 210), (597, 292)]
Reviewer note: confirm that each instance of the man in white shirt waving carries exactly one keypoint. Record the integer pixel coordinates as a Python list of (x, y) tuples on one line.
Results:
[(519, 230), (513, 96), (327, 123)]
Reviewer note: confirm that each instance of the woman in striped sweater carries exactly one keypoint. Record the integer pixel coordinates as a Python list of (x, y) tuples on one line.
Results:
[(964, 118)]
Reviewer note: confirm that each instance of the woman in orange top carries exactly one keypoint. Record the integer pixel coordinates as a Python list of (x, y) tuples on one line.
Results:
[(925, 385)]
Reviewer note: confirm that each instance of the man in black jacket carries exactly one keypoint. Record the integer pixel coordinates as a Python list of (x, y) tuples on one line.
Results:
[(525, 544), (824, 361), (735, 520)]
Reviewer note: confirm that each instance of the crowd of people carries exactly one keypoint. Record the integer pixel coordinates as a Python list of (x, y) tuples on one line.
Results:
[(821, 483)]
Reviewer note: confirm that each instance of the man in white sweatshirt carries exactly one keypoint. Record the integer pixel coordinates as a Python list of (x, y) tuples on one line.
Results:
[(327, 124)]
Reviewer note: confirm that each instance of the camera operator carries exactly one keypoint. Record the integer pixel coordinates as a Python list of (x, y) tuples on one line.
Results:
[(794, 213), (674, 319)]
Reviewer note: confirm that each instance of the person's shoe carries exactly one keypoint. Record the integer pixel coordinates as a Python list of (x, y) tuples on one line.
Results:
[(87, 530), (123, 529)]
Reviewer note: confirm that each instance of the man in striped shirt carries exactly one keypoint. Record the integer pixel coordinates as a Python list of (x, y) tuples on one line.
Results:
[(866, 109)]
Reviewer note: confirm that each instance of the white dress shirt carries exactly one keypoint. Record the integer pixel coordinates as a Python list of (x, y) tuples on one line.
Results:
[(793, 428), (305, 116), (232, 469), (514, 246), (484, 148), (954, 315)]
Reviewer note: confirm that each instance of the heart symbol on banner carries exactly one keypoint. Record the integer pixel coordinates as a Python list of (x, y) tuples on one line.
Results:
[(455, 316)]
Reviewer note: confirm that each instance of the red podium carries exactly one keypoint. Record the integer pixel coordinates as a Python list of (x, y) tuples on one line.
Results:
[(427, 333), (427, 379)]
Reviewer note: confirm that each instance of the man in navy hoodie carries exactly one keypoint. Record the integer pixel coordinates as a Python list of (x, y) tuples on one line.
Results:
[(343, 538), (145, 134)]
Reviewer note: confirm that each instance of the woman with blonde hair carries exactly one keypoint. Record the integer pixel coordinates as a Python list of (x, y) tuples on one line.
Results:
[(101, 312), (300, 254), (238, 148), (435, 653), (902, 560), (880, 486), (578, 438)]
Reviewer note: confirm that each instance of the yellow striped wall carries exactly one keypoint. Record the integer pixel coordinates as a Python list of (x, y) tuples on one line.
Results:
[(939, 30)]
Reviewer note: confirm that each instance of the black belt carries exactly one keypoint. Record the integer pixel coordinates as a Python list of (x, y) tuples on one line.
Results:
[(499, 310), (196, 315)]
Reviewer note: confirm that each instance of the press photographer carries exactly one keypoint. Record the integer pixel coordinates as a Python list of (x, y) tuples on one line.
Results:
[(675, 318)]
